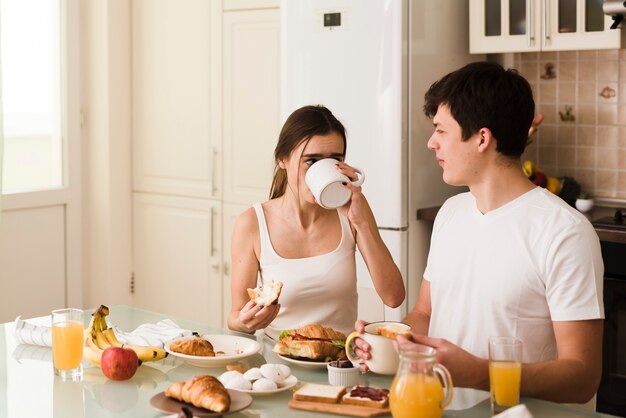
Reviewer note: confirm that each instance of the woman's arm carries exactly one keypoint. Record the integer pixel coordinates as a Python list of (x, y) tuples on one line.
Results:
[(385, 274), (245, 315)]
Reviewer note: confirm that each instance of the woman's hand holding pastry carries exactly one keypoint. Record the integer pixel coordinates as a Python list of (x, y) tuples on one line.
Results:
[(253, 317)]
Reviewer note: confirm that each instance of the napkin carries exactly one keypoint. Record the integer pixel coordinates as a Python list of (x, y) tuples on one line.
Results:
[(517, 411), (152, 334), (146, 334), (26, 333)]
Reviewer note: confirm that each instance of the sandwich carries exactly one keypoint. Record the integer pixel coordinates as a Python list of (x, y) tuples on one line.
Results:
[(266, 295), (312, 342)]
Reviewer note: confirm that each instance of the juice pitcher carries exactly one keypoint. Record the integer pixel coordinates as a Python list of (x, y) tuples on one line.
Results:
[(421, 388)]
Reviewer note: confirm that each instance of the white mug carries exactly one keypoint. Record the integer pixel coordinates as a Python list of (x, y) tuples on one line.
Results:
[(326, 183), (384, 358)]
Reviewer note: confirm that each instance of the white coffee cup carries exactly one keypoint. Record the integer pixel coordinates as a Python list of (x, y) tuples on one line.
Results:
[(384, 358), (326, 183)]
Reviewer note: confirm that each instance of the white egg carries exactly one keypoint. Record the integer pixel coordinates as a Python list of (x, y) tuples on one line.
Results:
[(228, 376), (272, 372), (253, 374), (239, 382), (284, 370), (264, 384)]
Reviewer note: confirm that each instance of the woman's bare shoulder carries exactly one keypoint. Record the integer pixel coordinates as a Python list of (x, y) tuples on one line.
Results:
[(247, 221)]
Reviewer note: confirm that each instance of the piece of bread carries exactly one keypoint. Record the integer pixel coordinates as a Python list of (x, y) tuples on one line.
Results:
[(367, 396), (267, 294), (314, 392), (312, 341), (392, 331), (203, 391), (193, 347)]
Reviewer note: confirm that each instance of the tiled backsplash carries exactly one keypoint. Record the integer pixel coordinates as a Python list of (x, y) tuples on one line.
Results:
[(582, 95)]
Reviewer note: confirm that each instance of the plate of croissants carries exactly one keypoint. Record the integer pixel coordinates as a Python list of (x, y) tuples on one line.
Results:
[(212, 350), (311, 346), (203, 396)]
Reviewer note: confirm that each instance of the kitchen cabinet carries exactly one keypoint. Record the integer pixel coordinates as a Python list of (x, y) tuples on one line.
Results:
[(177, 256), (498, 26), (251, 111), (205, 123), (175, 110)]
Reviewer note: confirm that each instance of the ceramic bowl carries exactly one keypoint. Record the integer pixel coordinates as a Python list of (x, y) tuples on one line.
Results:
[(340, 376)]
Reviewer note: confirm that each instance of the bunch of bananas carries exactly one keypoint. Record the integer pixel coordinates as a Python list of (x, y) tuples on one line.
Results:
[(99, 336)]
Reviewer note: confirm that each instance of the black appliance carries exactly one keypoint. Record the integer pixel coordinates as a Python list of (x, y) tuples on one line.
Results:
[(611, 397)]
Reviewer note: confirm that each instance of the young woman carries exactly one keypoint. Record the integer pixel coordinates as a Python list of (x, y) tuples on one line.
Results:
[(290, 238)]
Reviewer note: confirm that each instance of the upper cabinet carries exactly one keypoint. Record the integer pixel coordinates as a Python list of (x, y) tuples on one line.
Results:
[(540, 25), (176, 112)]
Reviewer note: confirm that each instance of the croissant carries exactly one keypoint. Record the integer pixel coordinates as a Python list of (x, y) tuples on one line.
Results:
[(194, 347), (203, 391)]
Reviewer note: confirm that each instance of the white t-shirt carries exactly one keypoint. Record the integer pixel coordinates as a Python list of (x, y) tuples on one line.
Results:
[(511, 272), (320, 289)]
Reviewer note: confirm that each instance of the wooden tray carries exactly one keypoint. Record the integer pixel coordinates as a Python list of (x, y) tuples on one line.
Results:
[(339, 408)]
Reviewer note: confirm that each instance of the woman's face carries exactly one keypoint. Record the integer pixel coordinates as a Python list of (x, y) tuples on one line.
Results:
[(304, 155)]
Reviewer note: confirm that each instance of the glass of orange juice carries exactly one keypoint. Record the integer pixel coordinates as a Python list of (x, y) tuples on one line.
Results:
[(421, 388), (67, 343), (505, 372)]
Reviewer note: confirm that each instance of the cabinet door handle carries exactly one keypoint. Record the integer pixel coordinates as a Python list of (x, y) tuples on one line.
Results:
[(214, 189), (212, 232)]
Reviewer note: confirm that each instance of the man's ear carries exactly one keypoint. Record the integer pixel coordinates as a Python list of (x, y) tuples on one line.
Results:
[(485, 139)]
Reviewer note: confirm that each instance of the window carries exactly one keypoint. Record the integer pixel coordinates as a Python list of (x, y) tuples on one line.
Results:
[(30, 39)]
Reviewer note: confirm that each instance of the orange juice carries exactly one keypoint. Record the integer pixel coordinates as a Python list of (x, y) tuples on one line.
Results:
[(415, 395), (67, 344), (505, 378)]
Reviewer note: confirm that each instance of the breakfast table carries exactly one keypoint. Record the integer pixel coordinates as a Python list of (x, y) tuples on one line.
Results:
[(28, 387)]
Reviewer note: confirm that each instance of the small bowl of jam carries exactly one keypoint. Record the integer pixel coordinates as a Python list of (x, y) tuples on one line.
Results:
[(342, 373)]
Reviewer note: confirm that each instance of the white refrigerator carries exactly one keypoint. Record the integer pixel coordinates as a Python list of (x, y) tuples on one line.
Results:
[(370, 62)]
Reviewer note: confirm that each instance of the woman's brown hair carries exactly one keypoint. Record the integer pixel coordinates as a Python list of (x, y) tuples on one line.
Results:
[(300, 126)]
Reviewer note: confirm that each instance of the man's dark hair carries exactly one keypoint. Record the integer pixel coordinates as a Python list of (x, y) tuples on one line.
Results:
[(485, 95)]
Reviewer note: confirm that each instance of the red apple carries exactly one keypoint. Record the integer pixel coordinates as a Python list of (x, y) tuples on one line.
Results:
[(119, 363), (539, 179)]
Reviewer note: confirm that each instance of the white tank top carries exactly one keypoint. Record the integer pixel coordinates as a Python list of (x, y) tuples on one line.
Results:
[(320, 289)]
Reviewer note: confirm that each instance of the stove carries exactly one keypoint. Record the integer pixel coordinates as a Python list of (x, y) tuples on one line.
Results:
[(615, 222)]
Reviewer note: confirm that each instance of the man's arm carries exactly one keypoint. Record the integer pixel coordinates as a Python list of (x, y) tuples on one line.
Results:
[(419, 317), (575, 375)]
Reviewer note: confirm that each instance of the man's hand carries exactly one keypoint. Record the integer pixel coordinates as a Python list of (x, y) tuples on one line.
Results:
[(362, 349), (466, 369)]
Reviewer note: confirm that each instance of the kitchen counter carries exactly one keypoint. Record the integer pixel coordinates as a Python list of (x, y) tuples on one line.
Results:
[(603, 208), (28, 387)]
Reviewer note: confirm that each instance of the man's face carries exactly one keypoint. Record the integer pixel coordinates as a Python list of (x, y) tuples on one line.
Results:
[(454, 155)]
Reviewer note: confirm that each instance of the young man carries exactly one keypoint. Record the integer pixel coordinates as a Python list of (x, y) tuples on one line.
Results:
[(507, 258)]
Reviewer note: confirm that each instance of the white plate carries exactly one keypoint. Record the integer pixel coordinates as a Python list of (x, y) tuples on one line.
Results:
[(233, 348), (307, 364), (290, 382)]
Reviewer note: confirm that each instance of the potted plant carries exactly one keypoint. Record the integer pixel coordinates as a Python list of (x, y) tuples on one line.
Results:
[(584, 202)]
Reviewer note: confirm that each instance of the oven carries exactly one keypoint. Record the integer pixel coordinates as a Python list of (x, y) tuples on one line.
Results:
[(612, 392)]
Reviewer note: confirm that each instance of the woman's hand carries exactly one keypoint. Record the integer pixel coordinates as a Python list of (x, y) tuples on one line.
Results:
[(253, 317), (357, 209), (535, 125)]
